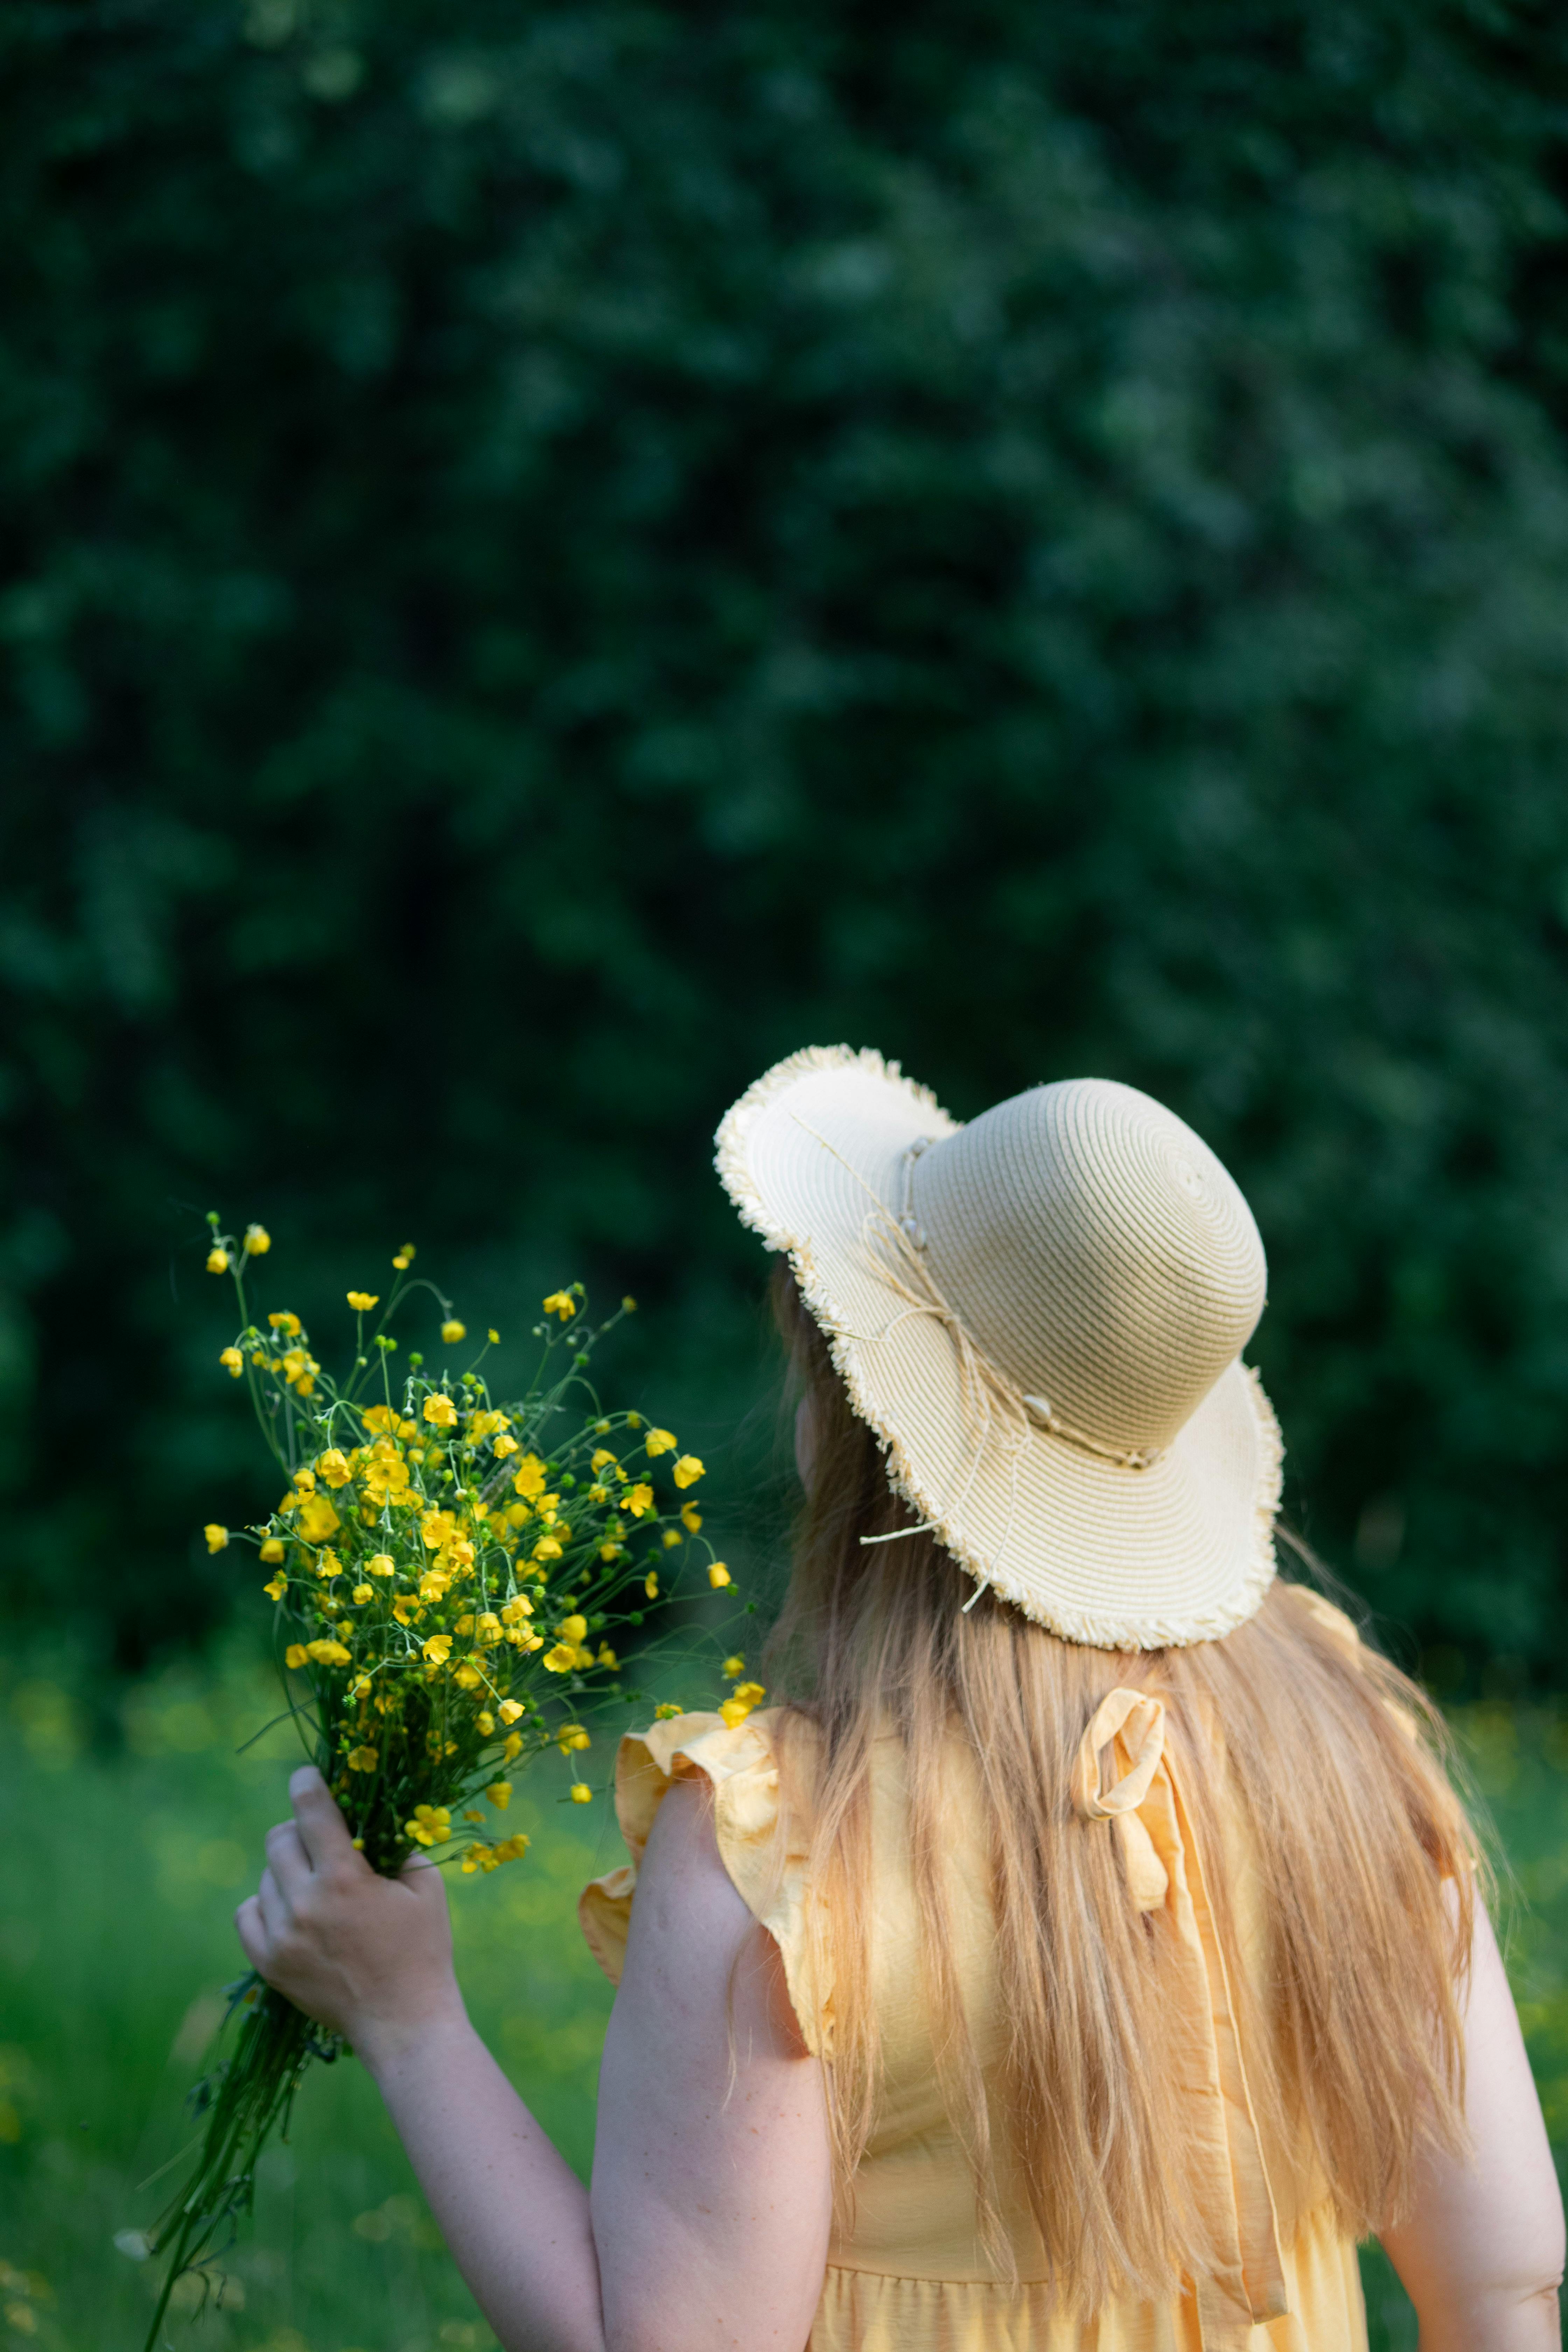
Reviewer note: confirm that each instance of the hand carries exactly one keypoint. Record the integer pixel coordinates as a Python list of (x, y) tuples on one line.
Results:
[(370, 1956)]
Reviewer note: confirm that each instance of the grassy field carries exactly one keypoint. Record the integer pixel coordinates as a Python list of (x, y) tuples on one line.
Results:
[(115, 1941)]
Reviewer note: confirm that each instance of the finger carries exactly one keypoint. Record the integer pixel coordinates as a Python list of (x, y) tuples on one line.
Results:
[(322, 1830), (274, 1911), (252, 1935), (287, 1859)]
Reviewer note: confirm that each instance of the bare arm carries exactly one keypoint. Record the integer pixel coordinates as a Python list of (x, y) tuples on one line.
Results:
[(1481, 2257), (707, 2230)]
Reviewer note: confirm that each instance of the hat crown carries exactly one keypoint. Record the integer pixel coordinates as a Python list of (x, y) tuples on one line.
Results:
[(1096, 1252)]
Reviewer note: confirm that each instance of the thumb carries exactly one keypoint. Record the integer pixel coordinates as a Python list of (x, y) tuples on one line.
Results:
[(323, 1833)]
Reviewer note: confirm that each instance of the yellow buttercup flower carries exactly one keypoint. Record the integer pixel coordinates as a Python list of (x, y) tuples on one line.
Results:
[(500, 1795), (405, 1258), (328, 1652), (573, 1629), (667, 1711), (732, 1667), (718, 1576), (440, 1412), (452, 1332), (487, 1631), (282, 1320), (527, 1480), (361, 1301), (560, 1659), (607, 1656), (218, 1537), (406, 1609), (505, 1444), (217, 1261), (296, 1654), (511, 1748), (431, 1824), (662, 1441), (581, 1793), (572, 1736), (232, 1363), (437, 1648), (258, 1241), (276, 1588), (611, 1550), (688, 1470), (380, 1563), (332, 1465), (468, 1675), (487, 1722), (637, 1499), (650, 1584), (361, 1759), (271, 1551), (363, 1592), (546, 1549), (562, 1303), (672, 1536), (509, 1711), (512, 1849), (318, 1519), (494, 1339), (691, 1518)]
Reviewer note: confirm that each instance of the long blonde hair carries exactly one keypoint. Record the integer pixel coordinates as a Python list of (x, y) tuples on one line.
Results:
[(1355, 2052)]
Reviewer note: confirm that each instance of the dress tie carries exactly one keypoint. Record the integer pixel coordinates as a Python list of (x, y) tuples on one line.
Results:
[(1244, 2286)]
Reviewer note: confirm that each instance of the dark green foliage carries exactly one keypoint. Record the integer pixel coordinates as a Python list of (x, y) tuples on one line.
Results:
[(554, 556)]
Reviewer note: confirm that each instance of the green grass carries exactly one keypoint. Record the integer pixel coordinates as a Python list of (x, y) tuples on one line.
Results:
[(115, 1941)]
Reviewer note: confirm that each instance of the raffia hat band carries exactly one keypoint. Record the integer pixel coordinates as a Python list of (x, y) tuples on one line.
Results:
[(1040, 1315)]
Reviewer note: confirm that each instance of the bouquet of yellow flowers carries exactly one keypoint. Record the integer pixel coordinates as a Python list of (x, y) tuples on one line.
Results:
[(449, 1574)]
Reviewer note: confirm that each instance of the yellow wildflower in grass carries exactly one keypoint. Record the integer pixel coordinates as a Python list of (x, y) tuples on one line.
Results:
[(406, 1609), (500, 1795), (662, 1441), (741, 1701), (611, 1551), (691, 1518), (258, 1241), (546, 1549), (218, 1537), (477, 1857), (467, 1676), (672, 1536), (487, 1631), (512, 1849), (607, 1657), (334, 1466), (361, 1759), (732, 1667), (380, 1563), (494, 1339), (510, 1711), (289, 1324), (430, 1825), (452, 1332), (437, 1648), (276, 1588), (296, 1654), (650, 1584), (560, 1659), (328, 1652), (361, 1301), (581, 1793), (362, 1593), (406, 1255), (602, 1458), (514, 1611), (271, 1551), (506, 1443), (217, 1261), (437, 1528), (718, 1575), (562, 1303), (317, 1520), (440, 1412), (688, 1470), (572, 1629), (667, 1711), (511, 1748), (637, 1499), (232, 1363), (528, 1477), (380, 1416), (572, 1736), (486, 1722)]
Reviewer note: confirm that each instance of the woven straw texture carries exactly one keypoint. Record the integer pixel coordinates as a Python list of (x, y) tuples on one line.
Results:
[(1040, 1315)]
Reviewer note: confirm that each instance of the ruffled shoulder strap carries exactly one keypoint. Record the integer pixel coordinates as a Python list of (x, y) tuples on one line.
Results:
[(762, 1848)]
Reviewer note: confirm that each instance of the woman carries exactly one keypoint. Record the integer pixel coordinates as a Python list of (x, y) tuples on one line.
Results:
[(1090, 1955)]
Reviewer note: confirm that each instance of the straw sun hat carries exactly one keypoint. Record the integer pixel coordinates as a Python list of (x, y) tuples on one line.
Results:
[(1041, 1316)]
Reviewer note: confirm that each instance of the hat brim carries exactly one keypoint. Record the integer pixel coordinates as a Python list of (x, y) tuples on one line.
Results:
[(1115, 1558)]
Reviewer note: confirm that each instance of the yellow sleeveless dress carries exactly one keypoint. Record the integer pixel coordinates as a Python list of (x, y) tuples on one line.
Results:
[(911, 2275)]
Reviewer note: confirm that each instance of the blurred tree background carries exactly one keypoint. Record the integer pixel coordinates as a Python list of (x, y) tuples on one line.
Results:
[(551, 555)]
